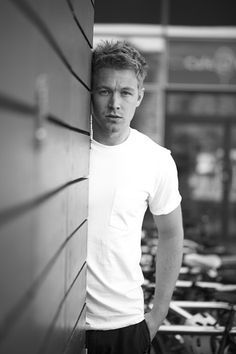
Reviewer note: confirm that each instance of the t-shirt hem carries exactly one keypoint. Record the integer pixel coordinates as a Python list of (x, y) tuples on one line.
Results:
[(114, 325), (168, 210)]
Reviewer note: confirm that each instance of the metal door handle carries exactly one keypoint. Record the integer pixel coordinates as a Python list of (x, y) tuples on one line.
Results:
[(41, 97)]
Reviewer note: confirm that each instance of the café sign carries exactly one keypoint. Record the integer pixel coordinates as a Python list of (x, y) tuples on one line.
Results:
[(202, 62)]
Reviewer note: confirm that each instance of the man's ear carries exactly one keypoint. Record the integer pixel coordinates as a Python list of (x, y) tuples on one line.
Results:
[(140, 96)]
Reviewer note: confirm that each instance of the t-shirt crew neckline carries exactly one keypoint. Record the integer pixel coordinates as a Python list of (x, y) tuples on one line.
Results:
[(113, 147)]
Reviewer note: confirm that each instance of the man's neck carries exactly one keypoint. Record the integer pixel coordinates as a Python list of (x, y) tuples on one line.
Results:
[(111, 139)]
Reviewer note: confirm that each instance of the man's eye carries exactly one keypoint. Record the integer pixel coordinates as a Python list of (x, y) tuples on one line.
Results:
[(126, 93), (103, 92)]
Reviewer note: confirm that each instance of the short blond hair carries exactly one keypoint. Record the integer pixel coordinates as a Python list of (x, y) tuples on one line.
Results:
[(119, 55)]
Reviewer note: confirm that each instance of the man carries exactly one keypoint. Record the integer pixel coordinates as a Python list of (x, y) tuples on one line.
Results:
[(128, 173)]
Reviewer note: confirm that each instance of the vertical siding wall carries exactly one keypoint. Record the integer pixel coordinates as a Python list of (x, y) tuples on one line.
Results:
[(44, 157)]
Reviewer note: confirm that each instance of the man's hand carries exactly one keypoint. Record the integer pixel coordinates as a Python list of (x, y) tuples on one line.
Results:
[(153, 323), (168, 262)]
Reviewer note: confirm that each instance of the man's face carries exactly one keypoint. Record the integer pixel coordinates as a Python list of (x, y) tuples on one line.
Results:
[(115, 98)]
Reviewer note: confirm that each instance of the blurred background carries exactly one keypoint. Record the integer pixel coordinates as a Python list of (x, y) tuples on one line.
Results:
[(189, 104), (189, 107)]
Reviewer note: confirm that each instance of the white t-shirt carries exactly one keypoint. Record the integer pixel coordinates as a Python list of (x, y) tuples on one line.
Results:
[(124, 179)]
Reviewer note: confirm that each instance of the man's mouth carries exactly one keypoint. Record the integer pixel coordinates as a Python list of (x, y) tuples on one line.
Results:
[(115, 116)]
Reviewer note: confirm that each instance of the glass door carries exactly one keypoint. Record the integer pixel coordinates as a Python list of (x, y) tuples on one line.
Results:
[(198, 149), (201, 132)]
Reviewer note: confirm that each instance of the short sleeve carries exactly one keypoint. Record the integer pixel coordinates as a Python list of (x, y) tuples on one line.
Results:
[(165, 197)]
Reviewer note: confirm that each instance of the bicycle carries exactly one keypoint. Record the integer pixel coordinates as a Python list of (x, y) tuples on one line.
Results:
[(204, 327)]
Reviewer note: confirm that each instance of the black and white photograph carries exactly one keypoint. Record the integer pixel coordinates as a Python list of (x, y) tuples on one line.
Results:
[(117, 177)]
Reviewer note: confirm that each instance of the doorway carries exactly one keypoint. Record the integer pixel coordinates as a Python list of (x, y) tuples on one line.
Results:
[(203, 144)]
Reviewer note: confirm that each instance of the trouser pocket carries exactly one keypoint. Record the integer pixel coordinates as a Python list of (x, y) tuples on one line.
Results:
[(134, 339), (147, 336)]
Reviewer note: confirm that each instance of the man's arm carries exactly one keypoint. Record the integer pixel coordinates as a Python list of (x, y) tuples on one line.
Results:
[(168, 262)]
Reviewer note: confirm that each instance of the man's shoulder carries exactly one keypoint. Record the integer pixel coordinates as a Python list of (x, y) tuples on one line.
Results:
[(146, 143)]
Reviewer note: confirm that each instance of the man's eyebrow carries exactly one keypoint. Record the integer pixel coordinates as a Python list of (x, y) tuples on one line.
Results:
[(102, 86), (125, 88), (129, 88)]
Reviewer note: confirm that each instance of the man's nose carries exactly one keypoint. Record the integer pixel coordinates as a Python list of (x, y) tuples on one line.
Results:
[(114, 101)]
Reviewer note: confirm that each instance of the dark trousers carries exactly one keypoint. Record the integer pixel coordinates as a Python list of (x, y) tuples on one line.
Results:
[(133, 339)]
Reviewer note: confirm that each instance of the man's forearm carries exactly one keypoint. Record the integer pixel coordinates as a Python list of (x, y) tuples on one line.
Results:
[(168, 263)]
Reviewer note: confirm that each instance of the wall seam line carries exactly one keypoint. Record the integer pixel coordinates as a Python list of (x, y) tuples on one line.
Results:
[(42, 27)]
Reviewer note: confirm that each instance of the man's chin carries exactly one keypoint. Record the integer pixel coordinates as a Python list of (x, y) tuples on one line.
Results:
[(114, 120), (114, 124)]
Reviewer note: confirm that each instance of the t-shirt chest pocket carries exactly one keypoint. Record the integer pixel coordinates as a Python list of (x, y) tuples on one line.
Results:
[(129, 205)]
